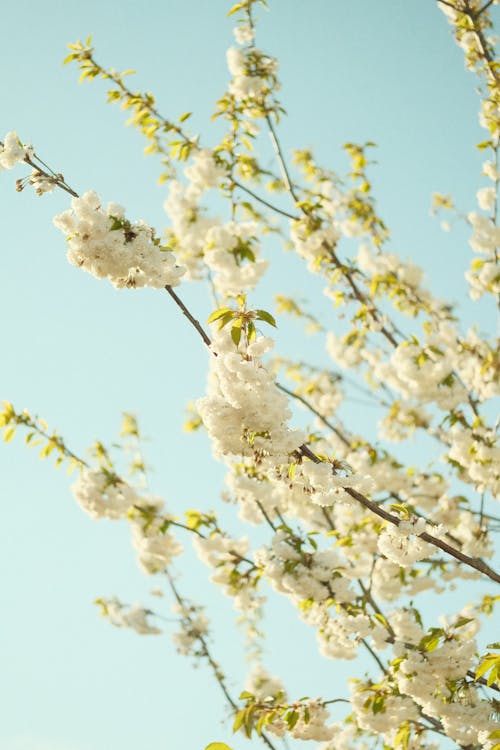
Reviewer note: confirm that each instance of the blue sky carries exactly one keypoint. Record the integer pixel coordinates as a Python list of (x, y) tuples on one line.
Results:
[(78, 352)]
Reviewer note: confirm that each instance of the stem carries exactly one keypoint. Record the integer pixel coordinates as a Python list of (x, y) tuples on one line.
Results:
[(473, 562), (281, 160), (266, 203), (314, 411), (374, 655), (191, 318)]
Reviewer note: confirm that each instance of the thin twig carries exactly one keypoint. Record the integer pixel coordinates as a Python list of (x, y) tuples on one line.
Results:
[(195, 323), (207, 654), (266, 203)]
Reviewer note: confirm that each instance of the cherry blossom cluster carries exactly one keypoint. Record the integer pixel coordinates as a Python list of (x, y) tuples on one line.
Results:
[(12, 151), (243, 412), (229, 251), (123, 616), (103, 243), (304, 720), (254, 76), (103, 495), (237, 576)]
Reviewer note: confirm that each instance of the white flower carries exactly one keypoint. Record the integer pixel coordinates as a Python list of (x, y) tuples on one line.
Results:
[(107, 246), (42, 183), (235, 61), (243, 33), (490, 170), (12, 152), (205, 172), (101, 496), (486, 198)]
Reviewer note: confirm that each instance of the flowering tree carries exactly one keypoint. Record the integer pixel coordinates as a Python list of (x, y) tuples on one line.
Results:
[(339, 525)]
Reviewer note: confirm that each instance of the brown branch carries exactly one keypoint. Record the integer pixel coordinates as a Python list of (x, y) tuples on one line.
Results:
[(473, 562), (191, 318)]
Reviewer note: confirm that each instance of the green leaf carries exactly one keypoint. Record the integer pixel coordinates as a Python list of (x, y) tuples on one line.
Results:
[(218, 314), (70, 57), (185, 116), (235, 9), (226, 318), (378, 705), (236, 334), (292, 718), (238, 720), (117, 224), (488, 662), (9, 433), (493, 675), (193, 519), (217, 746), (266, 317)]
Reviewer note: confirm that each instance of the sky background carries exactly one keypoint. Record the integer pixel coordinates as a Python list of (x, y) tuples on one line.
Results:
[(78, 352)]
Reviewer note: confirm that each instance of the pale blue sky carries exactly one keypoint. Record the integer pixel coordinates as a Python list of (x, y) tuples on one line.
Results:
[(78, 352)]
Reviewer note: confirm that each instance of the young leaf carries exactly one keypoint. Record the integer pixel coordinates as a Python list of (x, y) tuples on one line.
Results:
[(218, 314), (266, 317)]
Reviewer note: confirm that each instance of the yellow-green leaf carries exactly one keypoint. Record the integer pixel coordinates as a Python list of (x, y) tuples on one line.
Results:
[(9, 433)]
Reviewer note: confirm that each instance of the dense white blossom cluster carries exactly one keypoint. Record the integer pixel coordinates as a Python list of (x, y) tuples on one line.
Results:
[(231, 254), (327, 487), (303, 575), (229, 251), (103, 495), (244, 33), (427, 676), (189, 226), (106, 245), (402, 543), (254, 75), (156, 547), (224, 555), (313, 243), (204, 172), (312, 715), (386, 264), (243, 412), (476, 453), (13, 152), (483, 275)]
